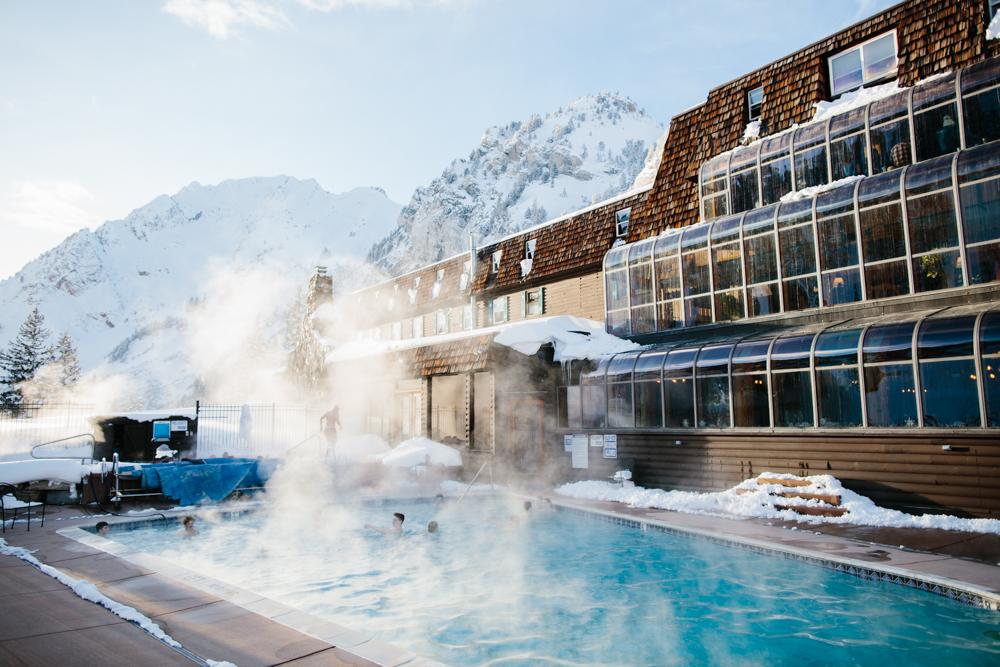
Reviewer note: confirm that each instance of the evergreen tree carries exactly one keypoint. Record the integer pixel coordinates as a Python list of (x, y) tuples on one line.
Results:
[(28, 352), (67, 361)]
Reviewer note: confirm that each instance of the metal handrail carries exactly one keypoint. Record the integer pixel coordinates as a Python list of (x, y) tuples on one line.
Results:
[(93, 444), (301, 442), (474, 478)]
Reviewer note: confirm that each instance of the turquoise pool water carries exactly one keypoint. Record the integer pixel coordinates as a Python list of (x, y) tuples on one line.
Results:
[(497, 586)]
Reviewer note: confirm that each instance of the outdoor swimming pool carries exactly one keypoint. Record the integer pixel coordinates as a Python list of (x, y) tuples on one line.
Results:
[(498, 587)]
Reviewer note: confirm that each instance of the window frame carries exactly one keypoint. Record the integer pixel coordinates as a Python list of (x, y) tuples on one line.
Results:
[(529, 249), (623, 215), (750, 114), (495, 261), (540, 299), (860, 47), (493, 310)]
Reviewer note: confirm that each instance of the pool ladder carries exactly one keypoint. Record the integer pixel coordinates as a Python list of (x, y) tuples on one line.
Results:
[(474, 478)]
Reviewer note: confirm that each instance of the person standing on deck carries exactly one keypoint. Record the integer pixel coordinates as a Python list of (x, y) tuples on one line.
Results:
[(329, 424)]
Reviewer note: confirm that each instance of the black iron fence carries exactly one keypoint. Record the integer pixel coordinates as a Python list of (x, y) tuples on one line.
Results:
[(31, 424)]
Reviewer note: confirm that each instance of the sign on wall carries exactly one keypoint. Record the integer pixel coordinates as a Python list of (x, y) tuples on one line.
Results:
[(581, 456), (568, 443), (179, 425), (610, 446), (596, 440)]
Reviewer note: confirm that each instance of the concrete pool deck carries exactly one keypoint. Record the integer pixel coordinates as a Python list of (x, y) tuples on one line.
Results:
[(41, 620)]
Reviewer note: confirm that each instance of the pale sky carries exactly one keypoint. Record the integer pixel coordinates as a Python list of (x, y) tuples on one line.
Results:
[(105, 105)]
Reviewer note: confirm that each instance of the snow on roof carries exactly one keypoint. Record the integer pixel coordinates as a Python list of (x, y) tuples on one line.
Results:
[(646, 177), (993, 31), (153, 415), (806, 193)]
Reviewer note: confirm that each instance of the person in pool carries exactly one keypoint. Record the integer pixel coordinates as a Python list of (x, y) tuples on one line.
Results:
[(103, 528), (397, 525), (189, 529), (432, 527)]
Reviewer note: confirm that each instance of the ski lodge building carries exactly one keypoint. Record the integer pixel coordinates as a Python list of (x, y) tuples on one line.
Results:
[(815, 290)]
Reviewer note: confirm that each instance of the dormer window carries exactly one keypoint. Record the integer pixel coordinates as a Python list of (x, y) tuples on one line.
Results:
[(440, 275), (436, 287), (495, 261), (463, 280), (867, 62), (755, 99), (621, 222), (412, 292), (529, 249)]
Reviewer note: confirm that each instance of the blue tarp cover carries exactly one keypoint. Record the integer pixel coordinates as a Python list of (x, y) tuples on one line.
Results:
[(193, 483)]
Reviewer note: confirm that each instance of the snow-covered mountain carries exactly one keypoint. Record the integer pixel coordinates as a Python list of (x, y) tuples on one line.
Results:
[(136, 293), (522, 174)]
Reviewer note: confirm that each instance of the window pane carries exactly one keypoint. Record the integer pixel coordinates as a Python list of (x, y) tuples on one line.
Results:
[(984, 263), (680, 363), (810, 168), (679, 399), (668, 279), (695, 237), (841, 287), (886, 280), (792, 399), (667, 245), (798, 254), (713, 402), (618, 322), (879, 189), (791, 352), (938, 270), (794, 213), (759, 221), (934, 92), (932, 222), (751, 356), (837, 348), (716, 206), (882, 232), (641, 276), (620, 367), (981, 211), (936, 132), (648, 411), (729, 305), (696, 276), (743, 190), (763, 300), (594, 398), (649, 365), (848, 157), (616, 284), (669, 315), (839, 396), (890, 146), (880, 58), (713, 359), (846, 71), (620, 405), (642, 319), (726, 262), (890, 396), (889, 108), (847, 123), (761, 259), (616, 258), (946, 337), (698, 311), (951, 396), (888, 342), (982, 117), (800, 293), (776, 179), (838, 246), (750, 407)]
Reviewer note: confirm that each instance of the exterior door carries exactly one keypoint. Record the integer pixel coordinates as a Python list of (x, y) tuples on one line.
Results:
[(526, 434)]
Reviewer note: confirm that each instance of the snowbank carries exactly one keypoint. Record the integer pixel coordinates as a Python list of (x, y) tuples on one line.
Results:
[(750, 499), (422, 451), (360, 448), (806, 193), (572, 338), (34, 470)]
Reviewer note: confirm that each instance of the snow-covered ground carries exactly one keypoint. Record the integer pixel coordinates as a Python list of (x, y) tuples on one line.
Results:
[(422, 451), (750, 499)]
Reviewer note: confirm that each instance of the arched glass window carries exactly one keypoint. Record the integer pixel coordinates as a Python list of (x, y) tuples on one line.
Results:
[(848, 149), (883, 236), (838, 246), (714, 190), (948, 372), (619, 383), (712, 386), (797, 240), (989, 350), (743, 179), (750, 389), (727, 268), (810, 156), (697, 275), (981, 102), (930, 209), (890, 395), (678, 384), (889, 133), (594, 395), (648, 374), (837, 384), (666, 258), (775, 167), (791, 385), (616, 290), (935, 118), (640, 261), (979, 190), (761, 260)]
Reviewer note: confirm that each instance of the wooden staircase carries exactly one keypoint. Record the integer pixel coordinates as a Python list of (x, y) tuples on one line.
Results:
[(830, 502)]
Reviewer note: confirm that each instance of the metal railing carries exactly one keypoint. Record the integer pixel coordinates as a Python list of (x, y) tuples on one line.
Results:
[(83, 459)]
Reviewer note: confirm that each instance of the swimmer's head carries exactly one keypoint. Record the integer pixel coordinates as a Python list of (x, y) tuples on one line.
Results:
[(432, 527)]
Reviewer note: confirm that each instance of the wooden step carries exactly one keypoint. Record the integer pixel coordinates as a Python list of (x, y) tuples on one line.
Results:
[(829, 498), (813, 510), (784, 482)]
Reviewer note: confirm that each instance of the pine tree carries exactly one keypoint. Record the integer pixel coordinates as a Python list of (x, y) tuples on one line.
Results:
[(27, 353), (67, 361)]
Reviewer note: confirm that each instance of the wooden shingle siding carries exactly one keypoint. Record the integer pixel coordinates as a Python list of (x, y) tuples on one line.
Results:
[(582, 297)]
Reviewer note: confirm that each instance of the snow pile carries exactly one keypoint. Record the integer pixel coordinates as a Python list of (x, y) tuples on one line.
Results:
[(750, 499), (89, 592), (572, 338), (645, 178), (360, 448), (751, 132), (526, 267), (806, 193), (993, 31), (854, 99), (422, 451), (35, 470)]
